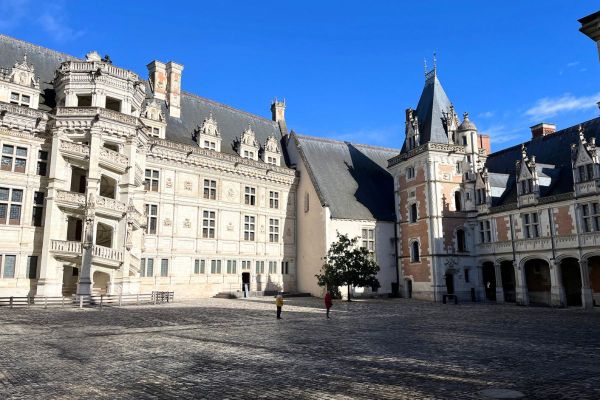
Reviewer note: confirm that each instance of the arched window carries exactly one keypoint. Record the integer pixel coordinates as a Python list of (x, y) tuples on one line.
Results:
[(458, 201), (460, 240), (414, 252), (413, 213)]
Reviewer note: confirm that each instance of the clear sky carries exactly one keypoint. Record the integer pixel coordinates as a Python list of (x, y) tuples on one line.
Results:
[(347, 69)]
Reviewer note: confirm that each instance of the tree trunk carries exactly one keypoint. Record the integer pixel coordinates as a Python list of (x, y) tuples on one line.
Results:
[(348, 293)]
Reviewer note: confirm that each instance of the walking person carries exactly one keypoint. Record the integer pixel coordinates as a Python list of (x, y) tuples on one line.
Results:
[(279, 304), (328, 302)]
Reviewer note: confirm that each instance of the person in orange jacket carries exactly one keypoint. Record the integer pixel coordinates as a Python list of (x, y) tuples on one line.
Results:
[(328, 302), (279, 304)]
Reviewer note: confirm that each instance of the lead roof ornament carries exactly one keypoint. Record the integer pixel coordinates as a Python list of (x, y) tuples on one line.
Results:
[(209, 126), (23, 74), (249, 137), (271, 145)]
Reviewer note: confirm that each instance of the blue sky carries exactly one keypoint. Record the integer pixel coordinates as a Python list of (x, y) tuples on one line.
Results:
[(347, 69)]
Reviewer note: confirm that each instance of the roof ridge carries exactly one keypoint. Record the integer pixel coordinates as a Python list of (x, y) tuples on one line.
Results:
[(329, 140), (184, 92), (35, 46), (557, 133)]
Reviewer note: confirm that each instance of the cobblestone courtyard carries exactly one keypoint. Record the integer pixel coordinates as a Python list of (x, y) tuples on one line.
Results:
[(236, 349)]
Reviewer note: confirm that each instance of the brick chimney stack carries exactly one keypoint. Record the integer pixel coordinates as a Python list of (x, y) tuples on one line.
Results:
[(542, 129), (590, 26), (174, 88), (158, 79)]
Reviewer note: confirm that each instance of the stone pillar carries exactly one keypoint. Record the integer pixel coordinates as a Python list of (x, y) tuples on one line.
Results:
[(521, 286), (499, 288), (557, 291), (481, 284), (587, 299)]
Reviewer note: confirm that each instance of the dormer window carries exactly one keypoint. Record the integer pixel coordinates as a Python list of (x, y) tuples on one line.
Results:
[(526, 186), (248, 145), (207, 135), (271, 153), (585, 172), (249, 154), (480, 196), (210, 145), (20, 99)]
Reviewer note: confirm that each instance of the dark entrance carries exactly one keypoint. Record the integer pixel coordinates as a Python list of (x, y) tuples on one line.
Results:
[(571, 279), (409, 288), (449, 283), (489, 280), (245, 281), (537, 276), (508, 281)]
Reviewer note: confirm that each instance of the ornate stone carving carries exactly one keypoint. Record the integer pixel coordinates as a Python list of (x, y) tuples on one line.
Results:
[(167, 222), (249, 137), (169, 183), (231, 194), (23, 74), (230, 226), (187, 223), (271, 145), (187, 185), (113, 156), (209, 127), (90, 215)]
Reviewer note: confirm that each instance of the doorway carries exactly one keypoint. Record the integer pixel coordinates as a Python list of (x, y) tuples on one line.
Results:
[(245, 281), (409, 288), (449, 283)]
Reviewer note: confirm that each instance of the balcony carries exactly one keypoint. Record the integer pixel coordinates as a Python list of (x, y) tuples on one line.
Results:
[(113, 160), (70, 200), (590, 240), (68, 250), (87, 115), (110, 207), (106, 256), (74, 150)]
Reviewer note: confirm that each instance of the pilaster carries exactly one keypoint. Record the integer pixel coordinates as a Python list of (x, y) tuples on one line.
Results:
[(521, 289), (499, 288), (558, 297), (587, 299)]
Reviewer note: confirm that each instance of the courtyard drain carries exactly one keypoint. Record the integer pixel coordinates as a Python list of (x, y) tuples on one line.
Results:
[(501, 394)]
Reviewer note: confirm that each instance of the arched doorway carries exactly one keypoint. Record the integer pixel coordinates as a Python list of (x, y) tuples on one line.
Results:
[(508, 281), (101, 283), (571, 280), (594, 268), (489, 280), (449, 283), (537, 277)]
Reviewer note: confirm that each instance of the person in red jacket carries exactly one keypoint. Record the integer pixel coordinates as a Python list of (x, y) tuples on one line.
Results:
[(328, 302)]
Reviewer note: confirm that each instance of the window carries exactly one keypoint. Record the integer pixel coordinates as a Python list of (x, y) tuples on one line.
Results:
[(585, 172), (480, 196), (7, 266), (273, 230), (164, 267), (414, 252), (526, 186), (412, 142), (485, 231), (13, 158), (248, 154), (464, 140), (42, 164), (368, 239), (531, 225), (591, 217), (468, 158), (142, 267), (231, 266), (113, 104), (38, 209), (459, 167), (272, 160), (199, 266), (249, 225), (413, 213), (215, 266), (410, 172), (149, 267), (306, 202), (20, 99), (151, 181), (210, 189), (10, 205), (272, 267), (285, 267), (260, 267), (273, 199), (458, 201), (466, 275), (32, 267), (246, 265), (84, 100), (460, 241), (155, 132), (250, 196), (208, 224), (210, 145), (152, 221)]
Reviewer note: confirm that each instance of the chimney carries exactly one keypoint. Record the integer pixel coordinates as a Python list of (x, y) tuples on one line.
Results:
[(278, 115), (158, 79), (590, 26), (484, 143), (542, 129), (174, 88)]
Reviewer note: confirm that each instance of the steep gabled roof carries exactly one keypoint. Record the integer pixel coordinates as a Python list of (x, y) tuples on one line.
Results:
[(430, 110), (352, 179), (194, 109)]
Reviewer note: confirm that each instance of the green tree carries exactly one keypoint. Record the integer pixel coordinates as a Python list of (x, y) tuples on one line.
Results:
[(346, 264)]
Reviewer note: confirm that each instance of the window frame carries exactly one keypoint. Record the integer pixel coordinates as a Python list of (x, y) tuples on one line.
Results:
[(151, 217), (38, 207), (531, 225), (590, 215), (273, 230), (274, 199), (250, 195), (209, 224), (249, 228), (13, 156), (11, 204), (151, 180)]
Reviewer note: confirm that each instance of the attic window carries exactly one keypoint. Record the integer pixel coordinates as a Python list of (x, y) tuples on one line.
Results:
[(113, 104), (585, 172), (526, 186), (84, 100), (20, 99)]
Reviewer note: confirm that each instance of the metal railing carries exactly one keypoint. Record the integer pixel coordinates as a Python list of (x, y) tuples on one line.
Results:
[(117, 300)]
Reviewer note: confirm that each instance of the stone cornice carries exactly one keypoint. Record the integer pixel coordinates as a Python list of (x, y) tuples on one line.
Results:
[(22, 118), (441, 147)]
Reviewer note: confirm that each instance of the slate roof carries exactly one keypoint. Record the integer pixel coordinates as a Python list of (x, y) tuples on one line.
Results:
[(194, 109), (553, 159), (352, 179), (432, 104)]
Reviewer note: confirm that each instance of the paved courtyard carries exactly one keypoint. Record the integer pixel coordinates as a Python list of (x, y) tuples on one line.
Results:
[(236, 349)]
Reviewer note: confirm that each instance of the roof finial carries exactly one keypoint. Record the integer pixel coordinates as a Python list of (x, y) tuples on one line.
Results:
[(425, 66), (434, 63), (581, 135)]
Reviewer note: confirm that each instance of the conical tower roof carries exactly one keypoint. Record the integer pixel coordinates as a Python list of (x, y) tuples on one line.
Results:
[(431, 108)]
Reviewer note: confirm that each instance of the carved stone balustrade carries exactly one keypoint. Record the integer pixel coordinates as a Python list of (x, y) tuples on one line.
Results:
[(110, 207), (66, 250), (137, 218), (70, 200), (75, 150), (106, 256), (113, 160), (22, 118)]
